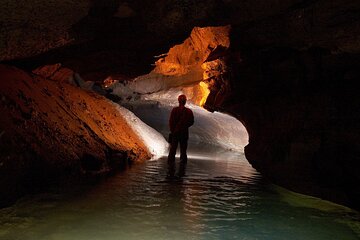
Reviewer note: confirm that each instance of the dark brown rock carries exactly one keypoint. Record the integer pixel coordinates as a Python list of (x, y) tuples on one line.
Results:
[(300, 109), (55, 72), (50, 129), (293, 71)]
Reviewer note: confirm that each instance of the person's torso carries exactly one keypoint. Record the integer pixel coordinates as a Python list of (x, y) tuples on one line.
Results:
[(182, 119)]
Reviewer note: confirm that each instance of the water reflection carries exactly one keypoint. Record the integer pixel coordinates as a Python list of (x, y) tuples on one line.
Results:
[(220, 198)]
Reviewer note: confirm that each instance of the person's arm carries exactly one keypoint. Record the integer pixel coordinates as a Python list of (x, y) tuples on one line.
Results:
[(191, 118)]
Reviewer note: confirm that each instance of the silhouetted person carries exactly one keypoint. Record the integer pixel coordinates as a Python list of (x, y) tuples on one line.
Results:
[(181, 119)]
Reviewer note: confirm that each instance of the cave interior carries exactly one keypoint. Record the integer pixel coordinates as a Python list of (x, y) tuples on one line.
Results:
[(287, 71)]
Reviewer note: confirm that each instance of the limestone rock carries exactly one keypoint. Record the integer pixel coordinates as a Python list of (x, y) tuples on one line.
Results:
[(49, 129)]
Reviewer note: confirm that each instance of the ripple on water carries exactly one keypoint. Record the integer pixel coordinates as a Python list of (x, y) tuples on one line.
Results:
[(218, 199)]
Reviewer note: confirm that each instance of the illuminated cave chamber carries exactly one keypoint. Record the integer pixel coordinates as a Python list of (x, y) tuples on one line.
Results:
[(197, 68), (292, 85)]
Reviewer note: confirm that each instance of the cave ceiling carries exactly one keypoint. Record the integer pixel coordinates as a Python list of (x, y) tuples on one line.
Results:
[(116, 36), (294, 68)]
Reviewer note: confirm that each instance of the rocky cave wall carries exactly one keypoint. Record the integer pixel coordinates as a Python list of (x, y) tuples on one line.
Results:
[(50, 130), (294, 86), (292, 71), (300, 109)]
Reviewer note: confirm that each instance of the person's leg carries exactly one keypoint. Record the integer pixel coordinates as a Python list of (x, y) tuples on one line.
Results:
[(183, 157), (171, 156)]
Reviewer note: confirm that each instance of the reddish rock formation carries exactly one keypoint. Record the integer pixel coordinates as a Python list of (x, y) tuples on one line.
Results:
[(194, 51), (55, 72), (196, 65), (293, 70), (50, 128)]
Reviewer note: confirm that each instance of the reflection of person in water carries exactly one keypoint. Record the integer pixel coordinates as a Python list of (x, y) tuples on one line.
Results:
[(181, 119)]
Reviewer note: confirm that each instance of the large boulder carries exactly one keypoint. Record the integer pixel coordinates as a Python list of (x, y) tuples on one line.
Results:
[(51, 128)]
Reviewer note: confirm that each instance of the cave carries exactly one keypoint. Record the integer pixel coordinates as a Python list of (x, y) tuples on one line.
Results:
[(87, 88)]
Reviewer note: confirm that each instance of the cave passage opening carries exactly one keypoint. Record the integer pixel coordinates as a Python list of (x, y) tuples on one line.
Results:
[(198, 68), (222, 196), (211, 130)]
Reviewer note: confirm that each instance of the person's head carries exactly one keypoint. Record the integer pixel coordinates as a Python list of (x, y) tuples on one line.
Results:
[(182, 100)]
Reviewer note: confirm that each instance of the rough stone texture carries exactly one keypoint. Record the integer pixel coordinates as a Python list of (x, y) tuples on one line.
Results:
[(195, 60), (301, 111), (194, 51), (49, 129), (294, 78), (294, 68), (32, 27), (333, 25), (55, 72), (28, 28)]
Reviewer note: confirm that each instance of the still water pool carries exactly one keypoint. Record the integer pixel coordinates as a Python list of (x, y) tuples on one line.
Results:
[(221, 197)]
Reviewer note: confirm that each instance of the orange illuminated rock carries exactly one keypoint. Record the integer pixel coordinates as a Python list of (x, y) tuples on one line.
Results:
[(190, 65), (193, 52), (198, 59), (47, 127), (55, 72)]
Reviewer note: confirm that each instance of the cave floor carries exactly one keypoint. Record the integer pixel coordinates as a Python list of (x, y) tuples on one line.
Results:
[(221, 197)]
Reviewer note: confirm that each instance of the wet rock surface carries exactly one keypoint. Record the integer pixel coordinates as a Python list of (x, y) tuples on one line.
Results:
[(51, 129), (293, 68)]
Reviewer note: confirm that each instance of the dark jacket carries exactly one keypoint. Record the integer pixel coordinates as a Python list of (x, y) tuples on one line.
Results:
[(181, 119)]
